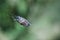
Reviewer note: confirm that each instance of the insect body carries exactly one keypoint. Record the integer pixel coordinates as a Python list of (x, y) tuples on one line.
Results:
[(22, 21)]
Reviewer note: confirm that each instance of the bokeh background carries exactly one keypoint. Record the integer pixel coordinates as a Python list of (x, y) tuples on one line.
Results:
[(44, 16)]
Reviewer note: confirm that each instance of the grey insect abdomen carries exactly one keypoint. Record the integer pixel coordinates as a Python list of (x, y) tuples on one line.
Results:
[(22, 21)]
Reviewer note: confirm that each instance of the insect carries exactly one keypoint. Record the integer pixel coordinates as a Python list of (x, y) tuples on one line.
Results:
[(22, 21)]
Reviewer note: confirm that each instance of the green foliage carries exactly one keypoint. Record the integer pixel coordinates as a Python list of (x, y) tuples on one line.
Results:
[(22, 8), (6, 22), (6, 13)]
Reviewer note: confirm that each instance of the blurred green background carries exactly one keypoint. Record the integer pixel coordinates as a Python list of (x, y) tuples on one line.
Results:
[(44, 16)]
